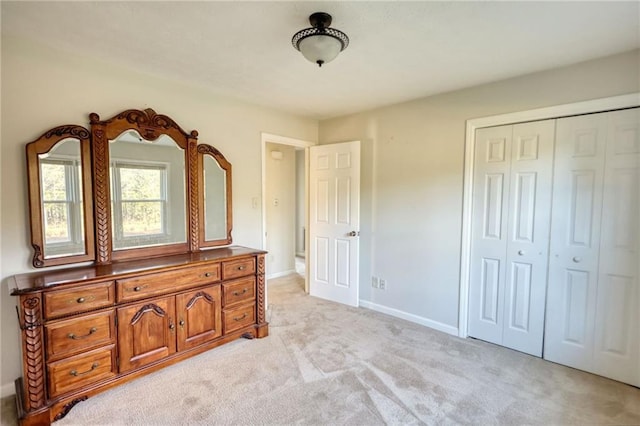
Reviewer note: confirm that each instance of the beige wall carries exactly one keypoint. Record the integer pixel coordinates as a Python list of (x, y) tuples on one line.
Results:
[(42, 88), (280, 208), (412, 177)]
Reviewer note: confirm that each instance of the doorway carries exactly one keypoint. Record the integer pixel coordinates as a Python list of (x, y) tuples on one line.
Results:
[(284, 205)]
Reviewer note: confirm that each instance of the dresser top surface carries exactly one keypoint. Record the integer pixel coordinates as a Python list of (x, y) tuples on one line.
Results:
[(35, 281)]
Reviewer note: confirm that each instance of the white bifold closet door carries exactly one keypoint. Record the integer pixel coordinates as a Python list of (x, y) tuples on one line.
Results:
[(593, 302), (510, 229)]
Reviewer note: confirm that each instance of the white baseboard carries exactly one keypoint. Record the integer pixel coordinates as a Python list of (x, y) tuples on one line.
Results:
[(7, 389), (410, 317), (280, 274)]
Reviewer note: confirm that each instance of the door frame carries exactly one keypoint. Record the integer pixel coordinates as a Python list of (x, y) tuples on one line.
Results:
[(298, 143), (557, 111)]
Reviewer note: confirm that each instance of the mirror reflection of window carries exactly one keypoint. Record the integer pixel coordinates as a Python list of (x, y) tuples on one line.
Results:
[(61, 200), (148, 202), (139, 200), (215, 200)]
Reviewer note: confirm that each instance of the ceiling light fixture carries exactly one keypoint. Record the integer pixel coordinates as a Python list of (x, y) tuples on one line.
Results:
[(320, 44)]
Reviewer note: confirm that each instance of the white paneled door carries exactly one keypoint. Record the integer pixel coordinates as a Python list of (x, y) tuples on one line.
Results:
[(510, 228), (334, 206), (593, 296)]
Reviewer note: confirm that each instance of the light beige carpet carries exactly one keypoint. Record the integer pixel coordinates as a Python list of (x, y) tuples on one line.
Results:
[(327, 364)]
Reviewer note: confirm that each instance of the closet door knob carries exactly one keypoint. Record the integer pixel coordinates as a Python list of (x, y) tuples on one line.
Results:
[(577, 259), (520, 252)]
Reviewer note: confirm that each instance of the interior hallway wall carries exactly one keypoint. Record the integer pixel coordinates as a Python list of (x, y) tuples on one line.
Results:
[(280, 208)]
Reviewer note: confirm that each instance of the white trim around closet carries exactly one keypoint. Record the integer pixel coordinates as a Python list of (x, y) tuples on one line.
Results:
[(586, 107)]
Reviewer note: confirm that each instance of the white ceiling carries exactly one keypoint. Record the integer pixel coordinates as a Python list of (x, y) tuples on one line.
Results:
[(399, 50)]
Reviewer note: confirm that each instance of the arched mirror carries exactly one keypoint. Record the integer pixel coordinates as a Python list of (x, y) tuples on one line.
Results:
[(142, 169), (60, 199), (148, 191), (214, 197)]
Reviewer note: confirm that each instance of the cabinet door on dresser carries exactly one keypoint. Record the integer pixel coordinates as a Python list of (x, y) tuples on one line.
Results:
[(199, 314), (146, 332)]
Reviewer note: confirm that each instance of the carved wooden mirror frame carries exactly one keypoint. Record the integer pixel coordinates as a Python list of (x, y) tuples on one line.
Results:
[(43, 145), (97, 193), (207, 150)]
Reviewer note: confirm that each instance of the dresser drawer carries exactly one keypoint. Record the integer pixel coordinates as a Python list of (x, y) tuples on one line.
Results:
[(239, 317), (165, 282), (64, 302), (238, 268), (239, 291), (67, 337), (80, 370)]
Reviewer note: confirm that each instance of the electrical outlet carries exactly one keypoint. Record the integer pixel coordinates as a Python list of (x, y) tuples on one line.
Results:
[(374, 282), (382, 284)]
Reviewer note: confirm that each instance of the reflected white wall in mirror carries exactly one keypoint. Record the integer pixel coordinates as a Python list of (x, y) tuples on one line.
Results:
[(215, 200), (148, 199), (61, 200)]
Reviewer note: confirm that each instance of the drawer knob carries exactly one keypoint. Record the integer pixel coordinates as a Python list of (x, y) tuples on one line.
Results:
[(74, 337), (207, 274), (93, 367), (172, 326), (237, 293), (139, 287), (82, 299), (241, 268), (240, 318), (181, 323)]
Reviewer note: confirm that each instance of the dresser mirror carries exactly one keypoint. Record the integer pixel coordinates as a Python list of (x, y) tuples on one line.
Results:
[(148, 191), (58, 165), (214, 175), (133, 186)]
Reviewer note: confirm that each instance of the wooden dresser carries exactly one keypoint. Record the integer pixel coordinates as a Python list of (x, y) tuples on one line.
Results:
[(87, 329)]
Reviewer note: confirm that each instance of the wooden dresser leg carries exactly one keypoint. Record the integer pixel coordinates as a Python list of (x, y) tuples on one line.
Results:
[(262, 330), (30, 418)]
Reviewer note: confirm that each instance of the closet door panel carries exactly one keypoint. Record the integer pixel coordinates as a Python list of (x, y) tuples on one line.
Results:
[(528, 235), (575, 239), (617, 334), (489, 232)]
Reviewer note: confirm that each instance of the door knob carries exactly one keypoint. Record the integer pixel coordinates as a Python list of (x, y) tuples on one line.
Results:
[(353, 233), (520, 252), (577, 259)]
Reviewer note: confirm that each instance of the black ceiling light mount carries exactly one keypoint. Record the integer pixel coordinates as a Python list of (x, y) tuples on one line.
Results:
[(320, 44)]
